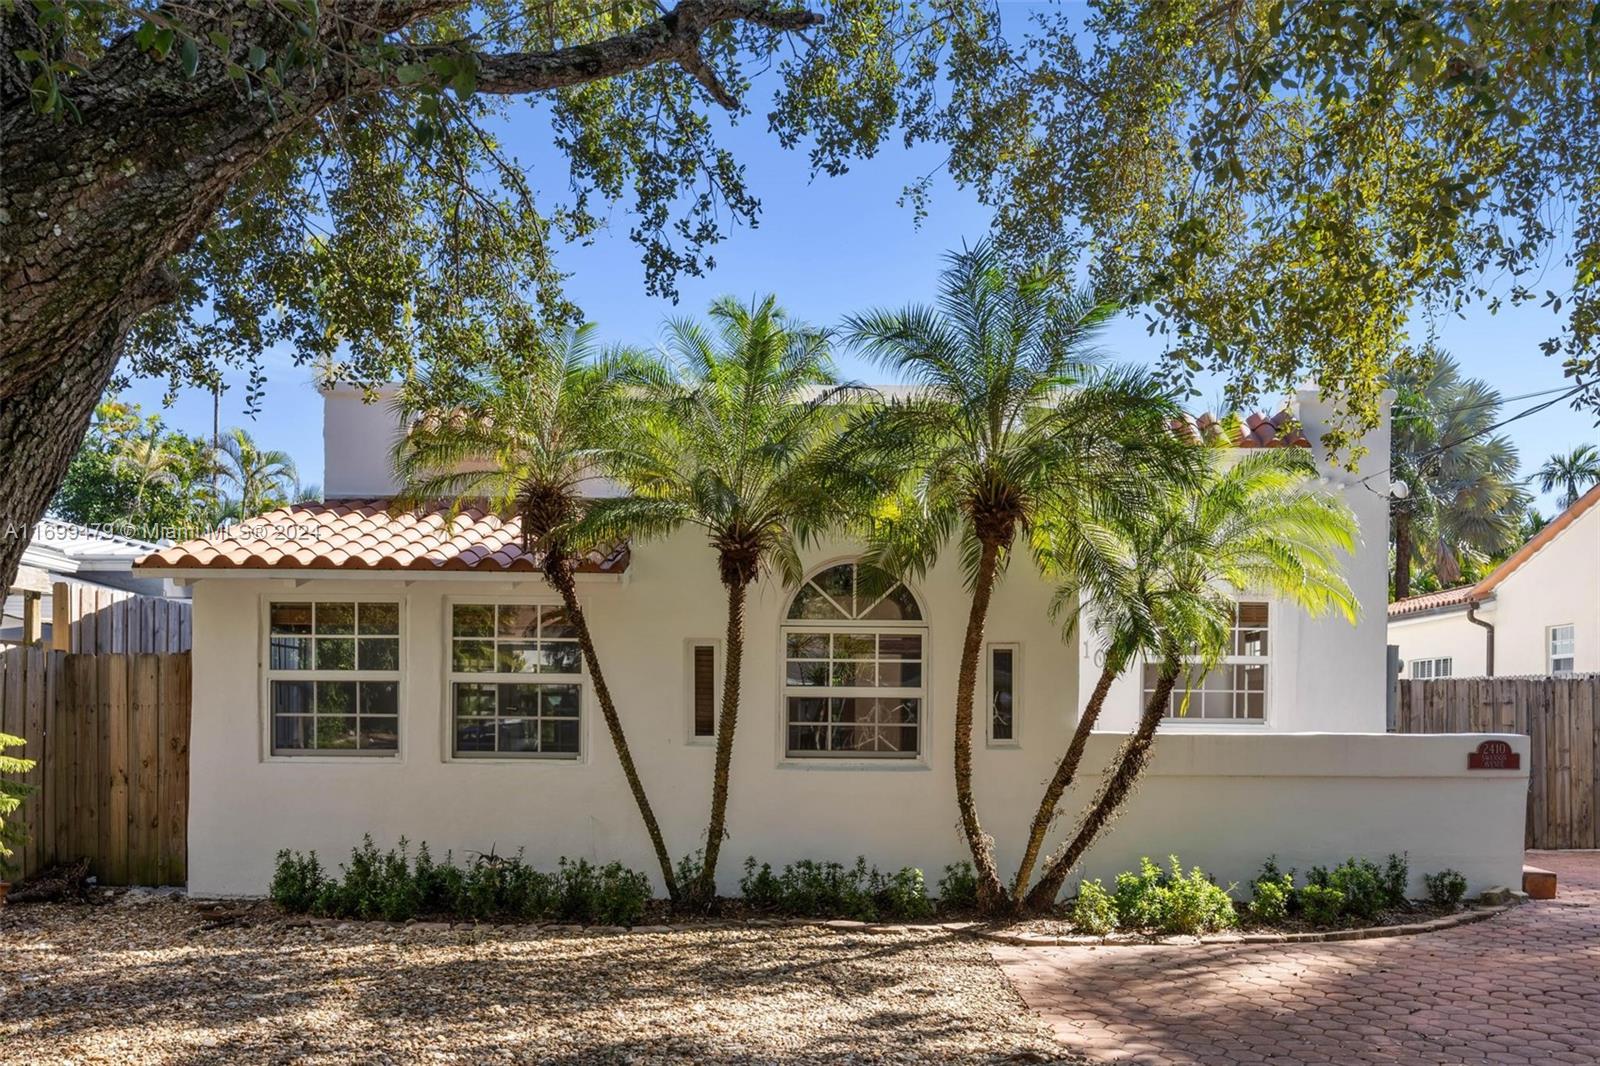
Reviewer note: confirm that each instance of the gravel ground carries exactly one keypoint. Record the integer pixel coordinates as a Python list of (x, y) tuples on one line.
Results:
[(159, 981)]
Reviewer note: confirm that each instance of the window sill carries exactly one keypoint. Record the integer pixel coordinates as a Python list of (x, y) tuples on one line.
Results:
[(898, 766)]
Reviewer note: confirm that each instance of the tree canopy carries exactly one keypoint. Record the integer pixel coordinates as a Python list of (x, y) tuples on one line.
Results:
[(1280, 184)]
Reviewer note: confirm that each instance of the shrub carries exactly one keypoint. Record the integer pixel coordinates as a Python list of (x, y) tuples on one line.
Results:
[(958, 888), (390, 886), (1137, 896), (1194, 903), (1172, 902), (760, 887), (903, 895), (1321, 905), (1270, 903), (1396, 880), (1445, 888), (809, 889), (1094, 911), (296, 882), (12, 792), (1361, 883)]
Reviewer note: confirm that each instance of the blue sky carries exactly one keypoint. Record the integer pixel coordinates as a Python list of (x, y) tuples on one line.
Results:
[(831, 246)]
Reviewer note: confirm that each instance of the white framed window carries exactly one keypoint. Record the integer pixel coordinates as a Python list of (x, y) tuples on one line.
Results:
[(333, 677), (1235, 689), (702, 688), (1004, 663), (1431, 669), (855, 677), (1563, 644), (516, 681)]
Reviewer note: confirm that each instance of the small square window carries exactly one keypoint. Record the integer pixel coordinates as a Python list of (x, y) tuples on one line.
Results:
[(322, 696)]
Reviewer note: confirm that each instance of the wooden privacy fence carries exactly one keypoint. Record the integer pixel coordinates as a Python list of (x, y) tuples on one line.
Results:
[(91, 618), (110, 738), (1558, 715)]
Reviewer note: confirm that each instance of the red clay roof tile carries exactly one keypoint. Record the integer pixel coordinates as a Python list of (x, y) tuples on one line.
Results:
[(365, 535)]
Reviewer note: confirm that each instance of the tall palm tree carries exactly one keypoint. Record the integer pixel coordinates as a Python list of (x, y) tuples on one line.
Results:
[(528, 438), (262, 477), (741, 409), (1572, 472), (1009, 421), (1160, 586), (1461, 478), (151, 462)]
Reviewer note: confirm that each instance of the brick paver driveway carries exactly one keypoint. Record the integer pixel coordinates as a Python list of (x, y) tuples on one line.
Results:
[(1520, 988)]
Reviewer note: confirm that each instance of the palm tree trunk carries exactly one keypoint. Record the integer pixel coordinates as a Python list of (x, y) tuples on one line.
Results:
[(1066, 771), (991, 892), (559, 574), (705, 889), (1130, 763), (1402, 553)]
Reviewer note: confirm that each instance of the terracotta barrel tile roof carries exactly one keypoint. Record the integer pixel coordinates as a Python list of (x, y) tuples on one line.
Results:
[(1431, 601), (364, 535), (1253, 431)]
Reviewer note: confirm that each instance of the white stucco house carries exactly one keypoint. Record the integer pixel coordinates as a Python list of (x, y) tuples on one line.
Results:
[(1536, 613), (359, 671)]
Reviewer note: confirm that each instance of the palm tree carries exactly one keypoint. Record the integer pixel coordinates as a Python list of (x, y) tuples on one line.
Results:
[(147, 457), (526, 440), (1160, 587), (1009, 422), (742, 407), (1572, 472), (262, 477), (1461, 478)]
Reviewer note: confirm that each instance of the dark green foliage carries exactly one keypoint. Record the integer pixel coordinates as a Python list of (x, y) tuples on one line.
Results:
[(958, 888), (1361, 883), (809, 889), (1171, 901), (387, 885), (1396, 878), (1321, 905), (1278, 878), (1445, 888)]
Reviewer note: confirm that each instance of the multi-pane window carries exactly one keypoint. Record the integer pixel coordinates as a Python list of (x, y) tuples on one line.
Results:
[(1431, 669), (1563, 649), (333, 677), (516, 680), (1235, 689), (854, 668), (1003, 693)]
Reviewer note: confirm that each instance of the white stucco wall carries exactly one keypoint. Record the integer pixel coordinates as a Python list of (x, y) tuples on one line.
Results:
[(1558, 585), (1445, 634), (1225, 801), (1324, 674)]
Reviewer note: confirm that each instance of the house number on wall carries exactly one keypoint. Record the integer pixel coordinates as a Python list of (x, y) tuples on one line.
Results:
[(1494, 755)]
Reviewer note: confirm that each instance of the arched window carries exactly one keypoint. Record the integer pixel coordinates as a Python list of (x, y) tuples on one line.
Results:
[(855, 671)]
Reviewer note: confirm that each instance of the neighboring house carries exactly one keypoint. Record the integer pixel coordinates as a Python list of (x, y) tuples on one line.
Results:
[(357, 670), (93, 564), (1536, 613)]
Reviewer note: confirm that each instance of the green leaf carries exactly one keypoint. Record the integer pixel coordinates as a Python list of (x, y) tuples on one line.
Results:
[(189, 54), (258, 57), (411, 73), (219, 40), (27, 55)]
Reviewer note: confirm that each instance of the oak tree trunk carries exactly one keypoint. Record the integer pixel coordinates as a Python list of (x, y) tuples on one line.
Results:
[(1126, 769), (1062, 780), (991, 893), (705, 889), (558, 571)]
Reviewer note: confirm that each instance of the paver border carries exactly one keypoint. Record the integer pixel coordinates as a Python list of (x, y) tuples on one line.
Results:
[(1375, 932), (974, 929)]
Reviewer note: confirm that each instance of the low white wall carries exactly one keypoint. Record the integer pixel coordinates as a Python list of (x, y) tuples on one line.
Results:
[(1228, 802)]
